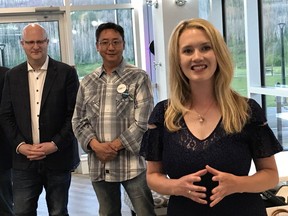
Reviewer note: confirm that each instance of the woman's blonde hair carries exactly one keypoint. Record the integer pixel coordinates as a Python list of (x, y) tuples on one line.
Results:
[(234, 108)]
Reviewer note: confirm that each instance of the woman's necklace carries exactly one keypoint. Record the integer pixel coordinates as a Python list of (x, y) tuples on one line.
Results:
[(201, 118)]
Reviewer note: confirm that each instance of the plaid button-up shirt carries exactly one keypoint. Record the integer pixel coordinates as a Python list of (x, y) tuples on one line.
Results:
[(110, 107)]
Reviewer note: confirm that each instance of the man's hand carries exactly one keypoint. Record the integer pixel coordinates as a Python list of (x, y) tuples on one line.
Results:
[(32, 152), (103, 151), (116, 145), (46, 147)]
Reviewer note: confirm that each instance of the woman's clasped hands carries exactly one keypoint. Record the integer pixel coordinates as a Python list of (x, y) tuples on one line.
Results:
[(226, 186)]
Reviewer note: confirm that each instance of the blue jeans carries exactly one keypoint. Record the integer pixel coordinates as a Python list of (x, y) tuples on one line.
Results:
[(6, 198), (28, 185), (109, 196)]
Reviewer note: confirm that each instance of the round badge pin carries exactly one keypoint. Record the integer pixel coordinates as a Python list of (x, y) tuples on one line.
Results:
[(121, 88)]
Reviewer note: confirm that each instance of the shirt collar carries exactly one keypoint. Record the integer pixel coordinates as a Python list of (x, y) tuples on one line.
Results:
[(119, 69), (43, 68)]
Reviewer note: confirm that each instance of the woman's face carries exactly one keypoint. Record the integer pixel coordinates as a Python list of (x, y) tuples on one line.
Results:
[(197, 58)]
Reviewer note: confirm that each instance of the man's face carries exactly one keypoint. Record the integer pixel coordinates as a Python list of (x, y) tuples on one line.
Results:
[(110, 46), (35, 44)]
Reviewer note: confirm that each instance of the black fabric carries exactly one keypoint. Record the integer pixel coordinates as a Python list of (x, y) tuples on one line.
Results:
[(182, 153), (56, 110), (6, 150)]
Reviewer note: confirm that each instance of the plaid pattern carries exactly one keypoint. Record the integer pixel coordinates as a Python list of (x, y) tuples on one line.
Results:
[(106, 112)]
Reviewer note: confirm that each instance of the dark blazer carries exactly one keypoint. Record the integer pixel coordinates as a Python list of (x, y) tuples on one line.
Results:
[(5, 148), (57, 106)]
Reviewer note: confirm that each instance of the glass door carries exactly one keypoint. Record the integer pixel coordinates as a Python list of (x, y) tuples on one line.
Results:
[(11, 52)]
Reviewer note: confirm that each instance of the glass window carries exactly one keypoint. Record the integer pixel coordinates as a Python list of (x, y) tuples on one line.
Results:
[(275, 41), (84, 25), (235, 38), (11, 52), (30, 3), (95, 2), (48, 3), (277, 116), (275, 52), (204, 9)]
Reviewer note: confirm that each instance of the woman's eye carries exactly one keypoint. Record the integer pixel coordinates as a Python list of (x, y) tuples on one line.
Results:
[(206, 48), (188, 51)]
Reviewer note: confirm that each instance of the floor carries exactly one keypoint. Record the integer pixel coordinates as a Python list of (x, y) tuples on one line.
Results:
[(82, 199)]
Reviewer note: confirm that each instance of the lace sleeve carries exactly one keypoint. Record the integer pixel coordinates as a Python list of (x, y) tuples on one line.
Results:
[(152, 142), (151, 146), (264, 141)]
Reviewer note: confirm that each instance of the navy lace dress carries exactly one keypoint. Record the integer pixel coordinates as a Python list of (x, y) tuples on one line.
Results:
[(182, 153)]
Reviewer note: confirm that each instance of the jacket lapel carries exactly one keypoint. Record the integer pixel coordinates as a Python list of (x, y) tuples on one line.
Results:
[(23, 85), (23, 91), (49, 80)]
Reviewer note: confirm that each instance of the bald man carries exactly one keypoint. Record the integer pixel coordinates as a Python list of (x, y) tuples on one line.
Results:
[(37, 106)]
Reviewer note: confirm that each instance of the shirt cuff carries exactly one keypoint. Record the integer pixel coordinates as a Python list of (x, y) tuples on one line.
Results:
[(17, 149), (55, 145)]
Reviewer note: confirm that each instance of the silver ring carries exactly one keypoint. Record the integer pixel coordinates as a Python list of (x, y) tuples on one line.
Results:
[(189, 191)]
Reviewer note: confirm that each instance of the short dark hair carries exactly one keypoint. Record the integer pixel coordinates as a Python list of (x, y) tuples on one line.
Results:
[(109, 25)]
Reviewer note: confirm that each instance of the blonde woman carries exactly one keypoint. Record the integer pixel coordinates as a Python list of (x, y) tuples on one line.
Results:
[(201, 140)]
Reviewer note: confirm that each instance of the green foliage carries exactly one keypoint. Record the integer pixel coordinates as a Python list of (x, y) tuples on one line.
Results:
[(84, 69), (273, 77)]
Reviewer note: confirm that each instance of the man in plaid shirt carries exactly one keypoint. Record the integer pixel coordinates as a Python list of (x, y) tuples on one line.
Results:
[(112, 108)]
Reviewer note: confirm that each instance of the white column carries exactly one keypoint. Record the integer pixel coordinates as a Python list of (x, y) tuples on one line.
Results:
[(165, 18), (252, 47)]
